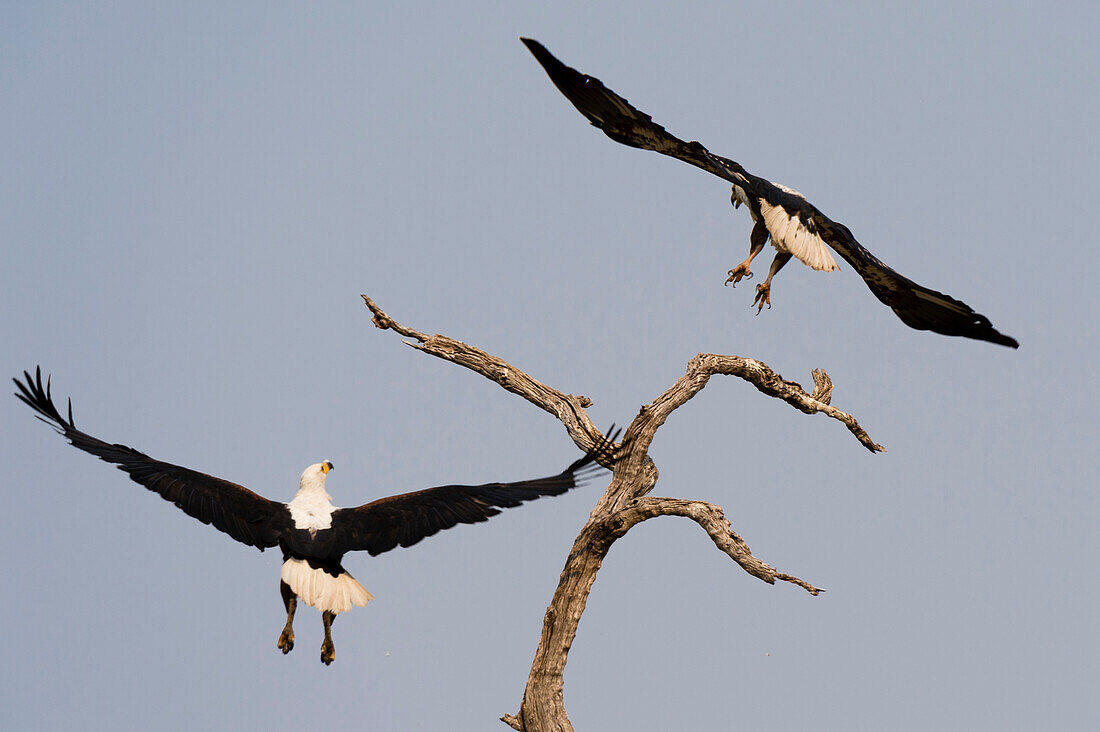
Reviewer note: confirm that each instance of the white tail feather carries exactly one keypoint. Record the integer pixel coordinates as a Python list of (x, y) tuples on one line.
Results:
[(317, 588)]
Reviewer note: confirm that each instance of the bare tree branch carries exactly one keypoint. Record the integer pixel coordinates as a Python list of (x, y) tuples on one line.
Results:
[(569, 409), (625, 503), (712, 519)]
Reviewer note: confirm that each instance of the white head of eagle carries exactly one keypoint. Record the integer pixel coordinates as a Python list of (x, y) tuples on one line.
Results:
[(313, 534)]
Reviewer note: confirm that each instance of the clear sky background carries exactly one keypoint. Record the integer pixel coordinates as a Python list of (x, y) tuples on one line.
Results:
[(193, 197)]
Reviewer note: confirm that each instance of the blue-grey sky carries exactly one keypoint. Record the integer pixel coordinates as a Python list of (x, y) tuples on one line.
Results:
[(192, 198)]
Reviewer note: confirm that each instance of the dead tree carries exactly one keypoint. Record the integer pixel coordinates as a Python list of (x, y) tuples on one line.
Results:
[(626, 502)]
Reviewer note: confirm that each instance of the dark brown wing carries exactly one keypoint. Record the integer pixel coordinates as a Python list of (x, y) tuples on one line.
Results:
[(404, 520), (247, 517), (918, 307), (622, 122)]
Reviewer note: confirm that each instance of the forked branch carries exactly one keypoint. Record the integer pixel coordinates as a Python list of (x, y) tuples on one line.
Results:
[(625, 503)]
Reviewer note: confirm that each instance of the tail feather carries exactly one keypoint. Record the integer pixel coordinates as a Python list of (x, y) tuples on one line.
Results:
[(317, 588)]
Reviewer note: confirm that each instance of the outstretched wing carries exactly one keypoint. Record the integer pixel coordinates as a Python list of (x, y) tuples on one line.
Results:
[(790, 218), (623, 123), (404, 520), (918, 307), (247, 517)]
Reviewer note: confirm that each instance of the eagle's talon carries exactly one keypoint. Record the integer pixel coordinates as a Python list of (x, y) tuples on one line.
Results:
[(328, 652), (735, 274), (763, 297), (286, 641)]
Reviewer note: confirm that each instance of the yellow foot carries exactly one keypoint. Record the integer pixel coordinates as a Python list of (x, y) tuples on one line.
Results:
[(286, 641), (328, 652), (741, 270), (763, 297)]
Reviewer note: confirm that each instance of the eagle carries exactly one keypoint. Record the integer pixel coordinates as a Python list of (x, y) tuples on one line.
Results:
[(795, 226), (313, 534)]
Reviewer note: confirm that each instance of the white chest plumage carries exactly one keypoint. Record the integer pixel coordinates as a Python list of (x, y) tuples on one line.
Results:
[(311, 511)]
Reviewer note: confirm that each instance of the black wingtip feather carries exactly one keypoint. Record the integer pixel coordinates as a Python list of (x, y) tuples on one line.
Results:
[(959, 321), (1002, 340), (40, 399), (991, 334), (602, 453), (539, 51), (572, 83)]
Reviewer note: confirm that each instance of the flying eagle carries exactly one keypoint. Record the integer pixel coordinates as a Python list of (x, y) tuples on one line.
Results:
[(313, 534), (794, 225)]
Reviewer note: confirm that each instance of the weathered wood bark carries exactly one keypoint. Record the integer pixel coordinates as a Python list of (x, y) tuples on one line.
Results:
[(626, 502)]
